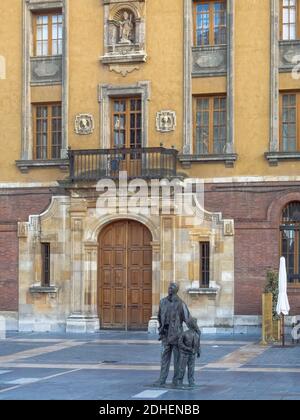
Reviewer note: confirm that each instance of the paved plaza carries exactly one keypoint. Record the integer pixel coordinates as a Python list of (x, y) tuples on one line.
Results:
[(123, 366)]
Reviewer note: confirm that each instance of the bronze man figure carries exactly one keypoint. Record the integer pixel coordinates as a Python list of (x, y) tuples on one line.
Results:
[(172, 313)]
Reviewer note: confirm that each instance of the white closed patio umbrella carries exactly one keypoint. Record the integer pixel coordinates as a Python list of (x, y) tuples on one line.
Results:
[(283, 306)]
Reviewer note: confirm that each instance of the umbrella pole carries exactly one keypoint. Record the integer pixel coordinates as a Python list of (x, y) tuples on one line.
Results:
[(282, 331)]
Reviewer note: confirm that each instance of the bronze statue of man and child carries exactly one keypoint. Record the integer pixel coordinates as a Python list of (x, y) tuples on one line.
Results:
[(185, 345)]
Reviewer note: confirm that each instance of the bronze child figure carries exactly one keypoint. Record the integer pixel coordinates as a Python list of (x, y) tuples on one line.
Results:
[(189, 348)]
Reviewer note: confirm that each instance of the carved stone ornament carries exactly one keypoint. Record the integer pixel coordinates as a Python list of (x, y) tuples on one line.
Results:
[(228, 228), (46, 69), (165, 121), (84, 124), (22, 229), (123, 70)]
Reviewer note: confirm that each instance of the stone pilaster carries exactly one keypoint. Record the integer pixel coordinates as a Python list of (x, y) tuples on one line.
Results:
[(65, 79), (274, 77), (90, 272), (230, 76), (187, 83), (168, 263), (156, 284)]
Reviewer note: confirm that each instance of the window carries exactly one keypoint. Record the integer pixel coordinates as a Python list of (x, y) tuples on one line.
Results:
[(210, 125), (290, 240), (48, 34), (47, 131), (204, 264), (289, 126), (127, 123), (289, 21), (46, 265), (210, 23)]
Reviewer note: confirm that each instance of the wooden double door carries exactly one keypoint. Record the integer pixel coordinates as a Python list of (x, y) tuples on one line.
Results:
[(125, 276)]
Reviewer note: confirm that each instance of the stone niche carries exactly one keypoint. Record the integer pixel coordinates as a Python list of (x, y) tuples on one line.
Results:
[(124, 31)]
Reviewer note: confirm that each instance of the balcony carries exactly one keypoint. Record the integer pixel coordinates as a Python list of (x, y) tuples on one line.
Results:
[(146, 163)]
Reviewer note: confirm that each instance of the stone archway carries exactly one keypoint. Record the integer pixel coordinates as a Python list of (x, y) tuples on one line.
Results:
[(125, 275)]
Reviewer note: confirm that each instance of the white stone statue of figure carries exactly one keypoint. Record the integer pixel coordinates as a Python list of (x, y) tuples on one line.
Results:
[(126, 28)]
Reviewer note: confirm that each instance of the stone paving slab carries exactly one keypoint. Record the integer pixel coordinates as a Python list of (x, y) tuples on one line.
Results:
[(131, 354), (121, 366), (279, 356), (8, 347)]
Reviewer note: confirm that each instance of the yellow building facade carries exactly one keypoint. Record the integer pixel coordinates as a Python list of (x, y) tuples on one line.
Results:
[(201, 91)]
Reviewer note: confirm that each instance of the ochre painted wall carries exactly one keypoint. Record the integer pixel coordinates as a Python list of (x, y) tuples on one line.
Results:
[(164, 69), (10, 88)]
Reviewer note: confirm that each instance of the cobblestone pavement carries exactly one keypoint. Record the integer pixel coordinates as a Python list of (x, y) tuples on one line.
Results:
[(123, 366)]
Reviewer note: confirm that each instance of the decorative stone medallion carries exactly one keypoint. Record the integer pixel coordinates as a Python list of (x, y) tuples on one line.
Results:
[(165, 121), (84, 124)]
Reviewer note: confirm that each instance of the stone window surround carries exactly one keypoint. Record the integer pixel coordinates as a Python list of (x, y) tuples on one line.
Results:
[(27, 136), (106, 92), (187, 152)]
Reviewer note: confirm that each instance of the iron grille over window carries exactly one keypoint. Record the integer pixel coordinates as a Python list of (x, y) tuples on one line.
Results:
[(46, 265), (204, 264), (290, 240)]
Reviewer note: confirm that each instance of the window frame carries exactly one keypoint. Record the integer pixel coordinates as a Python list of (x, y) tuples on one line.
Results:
[(50, 39), (50, 118), (297, 94), (211, 143), (127, 114), (297, 23), (211, 22)]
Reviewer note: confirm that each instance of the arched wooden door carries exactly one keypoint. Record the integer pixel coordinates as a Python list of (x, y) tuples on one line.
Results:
[(125, 276)]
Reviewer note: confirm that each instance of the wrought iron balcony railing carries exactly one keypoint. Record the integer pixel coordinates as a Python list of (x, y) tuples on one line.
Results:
[(147, 163)]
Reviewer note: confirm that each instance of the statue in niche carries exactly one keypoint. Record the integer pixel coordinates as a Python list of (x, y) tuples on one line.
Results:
[(126, 28)]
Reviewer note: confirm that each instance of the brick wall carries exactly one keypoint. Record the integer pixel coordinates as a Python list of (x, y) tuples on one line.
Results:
[(16, 205), (256, 209)]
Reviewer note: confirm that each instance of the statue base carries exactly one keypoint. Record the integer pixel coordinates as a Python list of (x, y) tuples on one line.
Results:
[(184, 387)]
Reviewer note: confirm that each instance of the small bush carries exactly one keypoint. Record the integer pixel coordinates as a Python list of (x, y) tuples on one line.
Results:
[(272, 287)]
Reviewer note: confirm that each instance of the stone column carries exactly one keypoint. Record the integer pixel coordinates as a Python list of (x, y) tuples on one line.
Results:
[(274, 77)]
